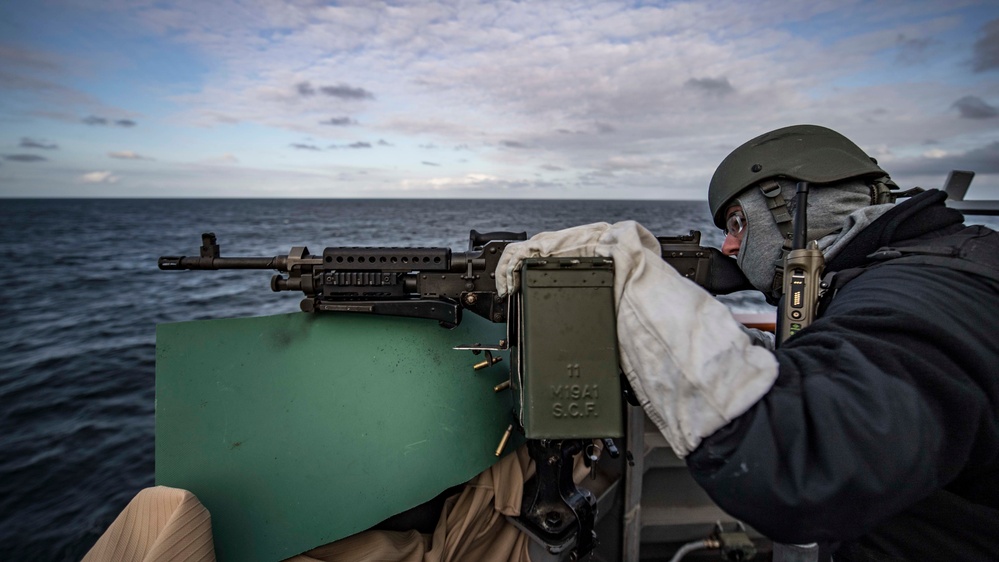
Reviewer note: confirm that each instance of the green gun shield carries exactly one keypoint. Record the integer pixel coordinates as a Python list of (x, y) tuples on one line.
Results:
[(297, 430)]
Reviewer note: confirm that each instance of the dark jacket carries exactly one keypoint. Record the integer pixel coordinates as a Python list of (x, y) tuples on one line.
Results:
[(881, 433)]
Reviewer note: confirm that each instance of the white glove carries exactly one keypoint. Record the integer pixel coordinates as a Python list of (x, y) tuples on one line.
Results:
[(579, 241), (691, 365)]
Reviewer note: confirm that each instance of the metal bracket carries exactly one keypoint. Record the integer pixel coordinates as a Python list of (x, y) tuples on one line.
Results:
[(554, 511)]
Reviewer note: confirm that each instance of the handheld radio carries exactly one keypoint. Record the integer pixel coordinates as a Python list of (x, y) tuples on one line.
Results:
[(803, 269)]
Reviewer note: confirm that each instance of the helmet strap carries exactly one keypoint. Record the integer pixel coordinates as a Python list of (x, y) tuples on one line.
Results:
[(782, 217), (883, 190)]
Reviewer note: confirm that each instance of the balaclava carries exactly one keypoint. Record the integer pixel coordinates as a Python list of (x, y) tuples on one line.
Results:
[(836, 213)]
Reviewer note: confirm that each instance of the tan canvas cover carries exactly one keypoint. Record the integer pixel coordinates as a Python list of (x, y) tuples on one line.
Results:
[(160, 524)]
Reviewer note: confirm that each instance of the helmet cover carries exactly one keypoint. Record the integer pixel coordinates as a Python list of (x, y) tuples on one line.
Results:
[(800, 152)]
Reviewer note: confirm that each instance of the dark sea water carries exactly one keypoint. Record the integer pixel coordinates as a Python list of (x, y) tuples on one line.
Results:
[(81, 296)]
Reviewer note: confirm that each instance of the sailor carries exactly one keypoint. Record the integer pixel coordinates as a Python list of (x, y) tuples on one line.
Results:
[(875, 430)]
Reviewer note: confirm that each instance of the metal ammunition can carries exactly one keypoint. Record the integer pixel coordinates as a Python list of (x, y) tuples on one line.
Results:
[(567, 378)]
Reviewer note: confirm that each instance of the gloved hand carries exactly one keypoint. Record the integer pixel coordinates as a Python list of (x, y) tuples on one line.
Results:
[(691, 365), (579, 241)]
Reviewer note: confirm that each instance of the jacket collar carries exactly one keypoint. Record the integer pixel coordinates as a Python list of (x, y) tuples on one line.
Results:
[(916, 217)]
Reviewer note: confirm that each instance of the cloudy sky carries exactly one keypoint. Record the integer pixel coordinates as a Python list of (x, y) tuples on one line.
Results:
[(532, 99)]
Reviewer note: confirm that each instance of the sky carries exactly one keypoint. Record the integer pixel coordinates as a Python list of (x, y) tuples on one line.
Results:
[(479, 99)]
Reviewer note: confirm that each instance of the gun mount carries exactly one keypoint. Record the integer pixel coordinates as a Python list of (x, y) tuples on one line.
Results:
[(565, 381)]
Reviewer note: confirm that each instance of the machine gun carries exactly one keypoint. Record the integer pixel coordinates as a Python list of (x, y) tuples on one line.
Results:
[(565, 380), (432, 283)]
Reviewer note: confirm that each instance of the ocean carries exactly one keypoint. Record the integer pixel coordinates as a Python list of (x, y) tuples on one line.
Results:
[(82, 295)]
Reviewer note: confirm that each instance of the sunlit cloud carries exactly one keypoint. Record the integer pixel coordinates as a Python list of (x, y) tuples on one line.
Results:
[(99, 177), (225, 159)]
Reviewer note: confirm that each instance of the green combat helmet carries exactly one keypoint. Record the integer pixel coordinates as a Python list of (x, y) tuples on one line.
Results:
[(800, 152)]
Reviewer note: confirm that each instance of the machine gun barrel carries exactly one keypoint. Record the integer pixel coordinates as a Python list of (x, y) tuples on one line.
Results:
[(210, 259), (176, 263)]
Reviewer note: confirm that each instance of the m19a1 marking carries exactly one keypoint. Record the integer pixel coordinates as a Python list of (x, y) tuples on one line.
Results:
[(567, 399)]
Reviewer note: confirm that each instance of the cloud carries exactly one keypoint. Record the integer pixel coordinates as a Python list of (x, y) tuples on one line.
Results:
[(632, 163), (339, 121), (358, 144), (986, 51), (346, 92), (439, 126), (462, 182), (102, 121), (713, 86), (34, 81), (425, 163), (551, 168), (127, 155), (340, 91), (25, 158), (558, 78), (226, 158), (33, 143), (99, 177), (301, 146), (984, 160), (912, 50), (15, 56), (973, 107), (486, 183), (383, 142), (217, 117)]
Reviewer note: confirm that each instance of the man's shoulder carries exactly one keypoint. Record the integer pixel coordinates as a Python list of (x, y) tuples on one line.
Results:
[(951, 254)]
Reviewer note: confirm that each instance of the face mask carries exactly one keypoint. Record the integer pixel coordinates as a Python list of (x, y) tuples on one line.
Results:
[(828, 208)]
